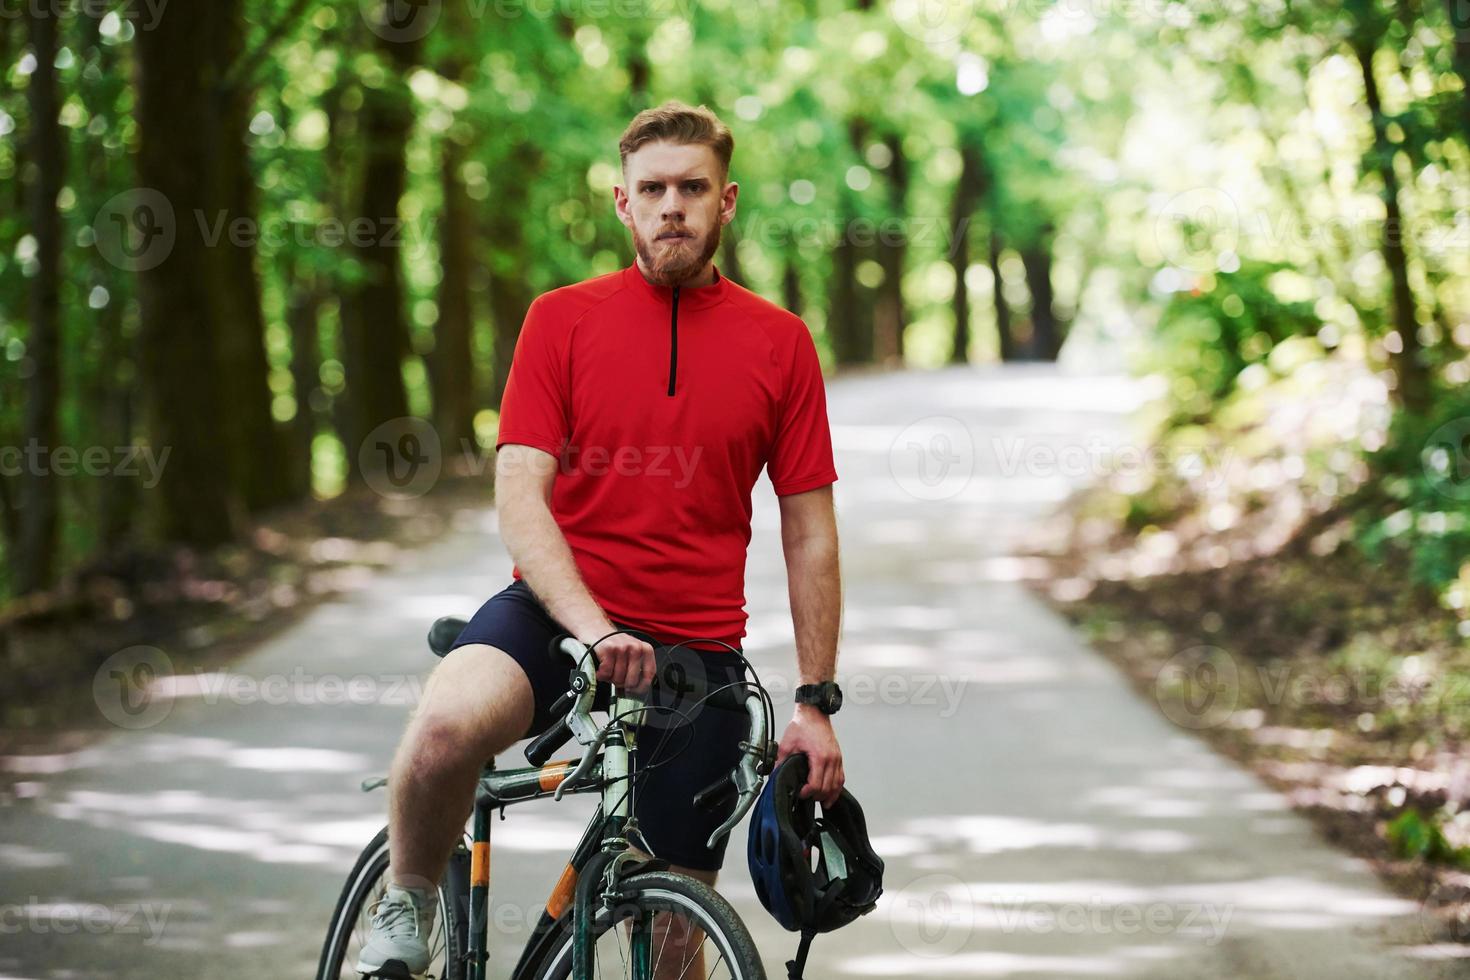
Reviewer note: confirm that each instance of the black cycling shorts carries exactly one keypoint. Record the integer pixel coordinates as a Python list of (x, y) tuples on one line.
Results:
[(677, 756)]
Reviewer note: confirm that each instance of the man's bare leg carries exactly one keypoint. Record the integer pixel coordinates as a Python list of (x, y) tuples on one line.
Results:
[(476, 705), (677, 940)]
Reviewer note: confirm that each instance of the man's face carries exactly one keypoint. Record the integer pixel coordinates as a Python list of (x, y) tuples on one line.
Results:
[(675, 203)]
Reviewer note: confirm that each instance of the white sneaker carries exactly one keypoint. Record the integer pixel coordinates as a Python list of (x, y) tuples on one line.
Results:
[(398, 945)]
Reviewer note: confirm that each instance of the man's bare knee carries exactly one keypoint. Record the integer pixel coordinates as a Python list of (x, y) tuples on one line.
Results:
[(477, 701), (708, 877)]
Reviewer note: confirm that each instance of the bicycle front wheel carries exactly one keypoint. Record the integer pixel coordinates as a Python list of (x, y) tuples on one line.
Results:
[(670, 926), (351, 921)]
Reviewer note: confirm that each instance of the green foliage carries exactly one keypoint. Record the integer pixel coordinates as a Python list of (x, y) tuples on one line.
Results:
[(1412, 835), (1420, 505), (1209, 334)]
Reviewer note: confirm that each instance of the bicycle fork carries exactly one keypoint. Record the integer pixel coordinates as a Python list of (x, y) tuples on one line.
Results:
[(479, 888)]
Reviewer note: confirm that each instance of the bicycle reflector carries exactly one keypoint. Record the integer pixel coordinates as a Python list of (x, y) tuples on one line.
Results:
[(813, 874)]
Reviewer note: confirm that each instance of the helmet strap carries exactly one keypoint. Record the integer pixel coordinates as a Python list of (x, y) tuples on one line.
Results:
[(795, 967)]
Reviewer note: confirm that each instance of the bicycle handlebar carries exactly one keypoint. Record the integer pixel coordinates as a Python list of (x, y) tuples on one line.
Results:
[(574, 720)]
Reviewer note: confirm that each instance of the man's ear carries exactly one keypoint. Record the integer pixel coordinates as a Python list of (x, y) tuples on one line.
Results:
[(620, 205), (727, 202)]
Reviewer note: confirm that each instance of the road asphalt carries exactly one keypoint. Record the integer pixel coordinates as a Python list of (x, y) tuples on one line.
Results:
[(1038, 817)]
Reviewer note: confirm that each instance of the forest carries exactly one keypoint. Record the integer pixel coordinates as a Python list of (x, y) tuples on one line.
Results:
[(237, 240), (256, 253)]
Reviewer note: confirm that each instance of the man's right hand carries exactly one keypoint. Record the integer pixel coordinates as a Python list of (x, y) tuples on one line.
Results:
[(623, 660)]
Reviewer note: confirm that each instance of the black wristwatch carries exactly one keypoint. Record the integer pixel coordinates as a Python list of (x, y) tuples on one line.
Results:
[(826, 697)]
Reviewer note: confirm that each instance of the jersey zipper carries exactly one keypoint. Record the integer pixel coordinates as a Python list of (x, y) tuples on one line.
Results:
[(673, 342)]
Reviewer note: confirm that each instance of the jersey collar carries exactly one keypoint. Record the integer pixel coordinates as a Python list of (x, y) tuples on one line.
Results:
[(690, 298)]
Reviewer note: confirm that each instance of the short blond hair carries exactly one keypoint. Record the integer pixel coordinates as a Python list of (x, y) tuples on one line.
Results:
[(677, 122)]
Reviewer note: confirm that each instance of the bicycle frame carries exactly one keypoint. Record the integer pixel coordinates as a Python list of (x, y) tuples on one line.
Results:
[(605, 833)]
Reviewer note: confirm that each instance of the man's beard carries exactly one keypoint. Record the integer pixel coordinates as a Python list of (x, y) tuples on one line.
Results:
[(671, 265)]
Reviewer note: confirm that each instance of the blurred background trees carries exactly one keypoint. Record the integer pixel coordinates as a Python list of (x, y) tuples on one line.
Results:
[(248, 236)]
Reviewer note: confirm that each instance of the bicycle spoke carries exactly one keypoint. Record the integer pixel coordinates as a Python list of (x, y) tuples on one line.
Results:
[(660, 957), (622, 954), (691, 961), (662, 965)]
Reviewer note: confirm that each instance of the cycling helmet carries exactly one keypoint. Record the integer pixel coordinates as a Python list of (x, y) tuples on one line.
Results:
[(784, 830)]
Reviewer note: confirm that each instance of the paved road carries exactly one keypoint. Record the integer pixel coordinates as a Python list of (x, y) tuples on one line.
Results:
[(1039, 819)]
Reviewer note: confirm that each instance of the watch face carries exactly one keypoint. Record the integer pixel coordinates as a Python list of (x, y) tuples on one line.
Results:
[(826, 697)]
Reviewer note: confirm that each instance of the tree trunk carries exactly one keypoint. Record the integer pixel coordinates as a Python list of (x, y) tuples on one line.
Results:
[(844, 319), (110, 378), (889, 315), (730, 256), (303, 318), (1413, 378), (510, 290), (850, 325), (452, 367), (38, 490), (1460, 25), (258, 465), (966, 197), (180, 361), (377, 329), (639, 72), (791, 287), (1004, 328), (339, 333), (1046, 340), (118, 500), (453, 361)]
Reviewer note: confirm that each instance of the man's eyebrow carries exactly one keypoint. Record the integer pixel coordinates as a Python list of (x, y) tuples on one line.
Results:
[(680, 180)]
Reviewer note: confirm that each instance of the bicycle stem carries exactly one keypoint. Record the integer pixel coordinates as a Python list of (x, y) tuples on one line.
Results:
[(747, 775)]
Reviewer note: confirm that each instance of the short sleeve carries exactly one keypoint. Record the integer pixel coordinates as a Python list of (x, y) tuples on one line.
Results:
[(535, 409), (801, 455)]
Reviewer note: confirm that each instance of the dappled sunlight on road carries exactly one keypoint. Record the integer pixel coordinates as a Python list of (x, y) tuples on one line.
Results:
[(1039, 817)]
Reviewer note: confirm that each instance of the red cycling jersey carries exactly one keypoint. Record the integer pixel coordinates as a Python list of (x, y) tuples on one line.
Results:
[(662, 405)]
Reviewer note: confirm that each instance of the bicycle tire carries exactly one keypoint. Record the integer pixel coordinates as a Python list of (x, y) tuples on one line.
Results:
[(654, 891), (363, 883)]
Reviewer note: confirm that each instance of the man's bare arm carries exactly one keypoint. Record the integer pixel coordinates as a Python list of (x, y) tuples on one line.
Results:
[(524, 477), (814, 582)]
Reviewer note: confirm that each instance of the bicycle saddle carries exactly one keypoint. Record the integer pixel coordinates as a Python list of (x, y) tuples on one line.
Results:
[(444, 632)]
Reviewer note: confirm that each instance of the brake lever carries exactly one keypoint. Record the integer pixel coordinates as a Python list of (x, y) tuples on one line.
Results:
[(747, 774), (579, 716)]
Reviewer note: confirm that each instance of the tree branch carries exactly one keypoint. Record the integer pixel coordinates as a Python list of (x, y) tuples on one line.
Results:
[(242, 69)]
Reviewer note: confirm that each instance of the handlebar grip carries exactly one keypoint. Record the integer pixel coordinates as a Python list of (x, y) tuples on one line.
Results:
[(545, 744), (716, 794), (563, 705)]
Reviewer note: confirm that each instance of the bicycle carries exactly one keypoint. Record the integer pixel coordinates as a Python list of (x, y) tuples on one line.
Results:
[(605, 889)]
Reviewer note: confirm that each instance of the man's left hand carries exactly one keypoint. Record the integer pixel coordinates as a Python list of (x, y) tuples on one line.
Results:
[(810, 732)]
